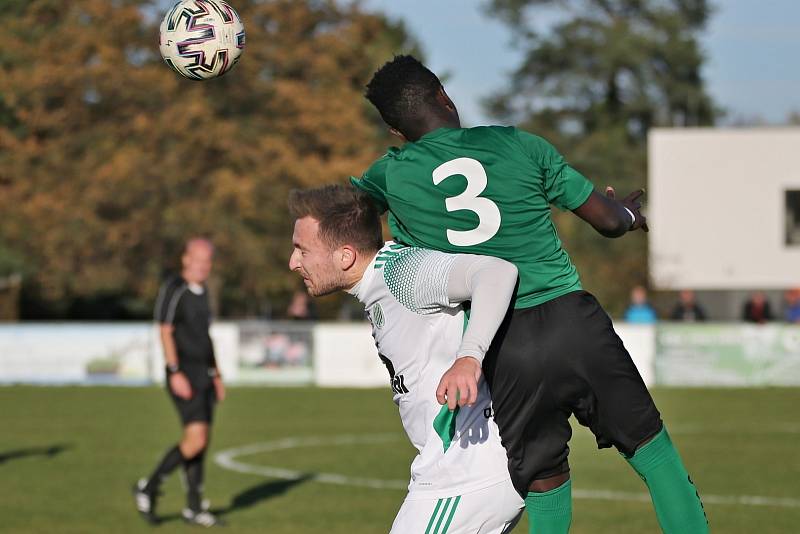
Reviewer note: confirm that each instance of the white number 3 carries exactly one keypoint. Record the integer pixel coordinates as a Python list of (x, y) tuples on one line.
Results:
[(486, 210)]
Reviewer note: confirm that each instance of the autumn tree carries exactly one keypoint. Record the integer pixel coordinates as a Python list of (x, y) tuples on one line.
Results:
[(594, 82), (109, 160)]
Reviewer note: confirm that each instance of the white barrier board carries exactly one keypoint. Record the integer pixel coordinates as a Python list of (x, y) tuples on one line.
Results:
[(97, 353), (345, 356), (76, 352)]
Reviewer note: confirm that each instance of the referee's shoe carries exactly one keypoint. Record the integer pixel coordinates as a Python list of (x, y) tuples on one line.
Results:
[(145, 502), (203, 518)]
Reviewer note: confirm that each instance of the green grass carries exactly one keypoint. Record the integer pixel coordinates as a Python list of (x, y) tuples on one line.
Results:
[(734, 442)]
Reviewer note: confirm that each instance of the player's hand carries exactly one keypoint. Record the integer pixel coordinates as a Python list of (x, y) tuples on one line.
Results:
[(632, 203), (180, 386), (459, 384), (219, 388)]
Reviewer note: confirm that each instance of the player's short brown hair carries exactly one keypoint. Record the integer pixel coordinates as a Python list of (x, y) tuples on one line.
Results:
[(346, 216)]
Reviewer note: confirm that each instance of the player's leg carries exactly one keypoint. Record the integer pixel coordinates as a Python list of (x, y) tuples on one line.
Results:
[(675, 497), (549, 505), (492, 510), (171, 460), (146, 490), (520, 369), (193, 447), (619, 410), (194, 444), (419, 515)]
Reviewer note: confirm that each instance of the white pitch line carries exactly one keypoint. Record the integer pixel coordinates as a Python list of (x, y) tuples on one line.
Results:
[(775, 428), (227, 460)]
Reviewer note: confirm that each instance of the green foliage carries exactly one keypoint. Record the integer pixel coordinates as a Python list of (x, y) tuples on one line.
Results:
[(11, 262), (109, 160), (594, 83)]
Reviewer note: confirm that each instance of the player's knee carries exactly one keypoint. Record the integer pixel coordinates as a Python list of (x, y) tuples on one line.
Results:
[(193, 446), (200, 442), (547, 484), (195, 440)]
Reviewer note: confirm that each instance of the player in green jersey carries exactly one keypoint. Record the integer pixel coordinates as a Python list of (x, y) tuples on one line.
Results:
[(488, 190)]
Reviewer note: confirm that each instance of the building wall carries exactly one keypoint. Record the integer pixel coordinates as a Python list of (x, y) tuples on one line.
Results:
[(716, 203)]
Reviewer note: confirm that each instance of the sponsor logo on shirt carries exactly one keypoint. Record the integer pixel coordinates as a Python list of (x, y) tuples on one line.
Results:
[(396, 381)]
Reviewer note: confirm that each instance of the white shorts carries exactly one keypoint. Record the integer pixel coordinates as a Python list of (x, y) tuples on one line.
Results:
[(492, 510)]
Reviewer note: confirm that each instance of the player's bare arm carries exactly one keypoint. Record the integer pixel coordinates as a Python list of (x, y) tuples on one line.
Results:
[(489, 283), (178, 382), (219, 385), (612, 217)]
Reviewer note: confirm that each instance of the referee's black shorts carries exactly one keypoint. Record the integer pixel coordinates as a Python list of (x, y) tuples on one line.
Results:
[(560, 358), (200, 407)]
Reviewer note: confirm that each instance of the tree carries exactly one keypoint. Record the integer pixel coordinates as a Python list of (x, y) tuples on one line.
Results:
[(593, 84), (109, 160)]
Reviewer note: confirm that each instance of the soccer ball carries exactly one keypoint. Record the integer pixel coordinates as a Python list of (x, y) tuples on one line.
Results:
[(201, 39)]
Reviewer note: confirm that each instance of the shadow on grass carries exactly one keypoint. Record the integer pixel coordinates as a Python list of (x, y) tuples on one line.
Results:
[(48, 452), (250, 497)]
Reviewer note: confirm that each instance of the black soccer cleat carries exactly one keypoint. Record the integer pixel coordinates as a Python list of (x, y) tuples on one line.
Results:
[(145, 502), (203, 518)]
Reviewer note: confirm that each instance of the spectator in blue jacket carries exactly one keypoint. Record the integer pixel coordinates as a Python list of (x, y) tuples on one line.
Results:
[(639, 310)]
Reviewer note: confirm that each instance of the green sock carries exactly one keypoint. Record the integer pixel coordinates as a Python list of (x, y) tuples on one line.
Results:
[(550, 512), (675, 498)]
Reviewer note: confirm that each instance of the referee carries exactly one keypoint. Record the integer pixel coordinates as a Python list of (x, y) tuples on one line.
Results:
[(193, 380)]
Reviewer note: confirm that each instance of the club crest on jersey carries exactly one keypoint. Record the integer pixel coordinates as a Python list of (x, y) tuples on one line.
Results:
[(376, 316)]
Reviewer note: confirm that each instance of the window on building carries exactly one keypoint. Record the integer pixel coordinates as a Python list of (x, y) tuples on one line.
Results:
[(793, 218)]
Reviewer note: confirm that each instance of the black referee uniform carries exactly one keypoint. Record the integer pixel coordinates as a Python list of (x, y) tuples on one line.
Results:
[(187, 309)]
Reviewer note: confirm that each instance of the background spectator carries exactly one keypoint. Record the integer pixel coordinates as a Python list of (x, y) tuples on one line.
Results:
[(687, 309), (792, 313), (301, 308), (757, 309), (639, 310)]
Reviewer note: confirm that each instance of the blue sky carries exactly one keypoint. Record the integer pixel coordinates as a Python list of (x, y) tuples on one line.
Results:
[(752, 49)]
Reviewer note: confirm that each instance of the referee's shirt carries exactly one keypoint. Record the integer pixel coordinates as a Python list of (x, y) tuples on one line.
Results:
[(185, 306)]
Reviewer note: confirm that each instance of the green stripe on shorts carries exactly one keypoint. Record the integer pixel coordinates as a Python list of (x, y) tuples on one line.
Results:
[(452, 513), (441, 516), (433, 516)]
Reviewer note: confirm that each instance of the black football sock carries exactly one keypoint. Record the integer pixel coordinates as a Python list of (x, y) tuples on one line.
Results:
[(169, 462), (194, 481)]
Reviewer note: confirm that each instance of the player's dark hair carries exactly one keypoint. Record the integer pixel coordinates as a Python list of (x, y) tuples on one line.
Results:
[(346, 216), (404, 93)]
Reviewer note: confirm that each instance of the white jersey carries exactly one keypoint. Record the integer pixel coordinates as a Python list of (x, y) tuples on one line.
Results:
[(418, 331)]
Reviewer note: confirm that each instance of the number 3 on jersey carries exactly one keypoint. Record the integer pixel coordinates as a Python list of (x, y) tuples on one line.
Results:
[(486, 210)]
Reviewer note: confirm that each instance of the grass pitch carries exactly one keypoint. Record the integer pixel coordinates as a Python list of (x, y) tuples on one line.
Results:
[(68, 457)]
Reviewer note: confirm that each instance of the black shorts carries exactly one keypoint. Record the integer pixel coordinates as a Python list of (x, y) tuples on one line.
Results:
[(199, 408), (556, 359)]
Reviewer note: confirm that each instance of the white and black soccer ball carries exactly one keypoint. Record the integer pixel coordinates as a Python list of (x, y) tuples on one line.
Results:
[(201, 39)]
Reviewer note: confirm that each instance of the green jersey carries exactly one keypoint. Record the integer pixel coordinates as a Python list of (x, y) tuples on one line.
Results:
[(484, 190)]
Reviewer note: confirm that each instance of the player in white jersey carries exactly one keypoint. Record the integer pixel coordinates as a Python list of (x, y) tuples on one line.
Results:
[(414, 299)]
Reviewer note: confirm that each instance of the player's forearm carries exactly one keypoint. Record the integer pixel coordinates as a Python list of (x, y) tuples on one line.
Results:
[(168, 344), (615, 220), (214, 367), (606, 215), (489, 283)]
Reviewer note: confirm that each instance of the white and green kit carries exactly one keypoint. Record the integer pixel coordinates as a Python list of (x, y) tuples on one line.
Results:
[(414, 298)]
